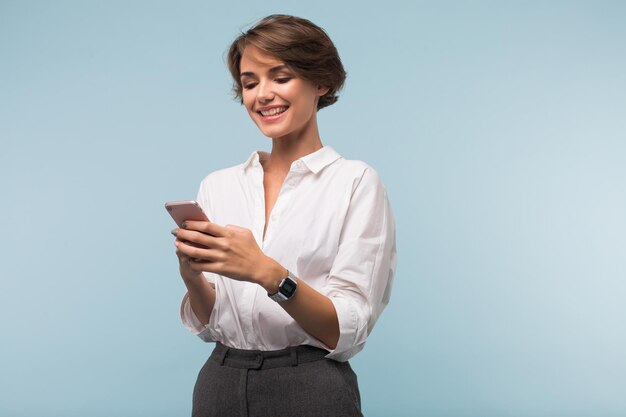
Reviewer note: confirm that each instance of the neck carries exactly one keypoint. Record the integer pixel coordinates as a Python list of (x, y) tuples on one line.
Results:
[(291, 147)]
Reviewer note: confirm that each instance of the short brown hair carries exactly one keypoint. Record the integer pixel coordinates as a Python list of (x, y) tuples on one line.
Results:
[(303, 46)]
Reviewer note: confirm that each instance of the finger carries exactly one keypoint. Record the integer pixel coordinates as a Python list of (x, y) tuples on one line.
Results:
[(205, 227), (200, 265), (198, 238), (211, 255), (185, 261), (195, 245)]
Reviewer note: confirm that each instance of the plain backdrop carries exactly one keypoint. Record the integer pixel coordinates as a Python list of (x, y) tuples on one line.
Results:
[(498, 128)]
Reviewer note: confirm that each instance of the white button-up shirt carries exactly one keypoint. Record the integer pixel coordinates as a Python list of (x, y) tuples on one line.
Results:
[(331, 226)]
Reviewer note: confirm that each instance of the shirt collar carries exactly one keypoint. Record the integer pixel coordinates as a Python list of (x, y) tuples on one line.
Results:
[(314, 162)]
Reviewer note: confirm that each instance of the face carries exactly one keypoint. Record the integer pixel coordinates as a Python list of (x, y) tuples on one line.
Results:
[(280, 103)]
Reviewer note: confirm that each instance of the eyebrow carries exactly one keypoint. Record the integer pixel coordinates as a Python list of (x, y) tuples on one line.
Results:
[(270, 71)]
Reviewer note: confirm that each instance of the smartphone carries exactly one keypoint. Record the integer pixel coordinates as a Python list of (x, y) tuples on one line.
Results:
[(185, 210)]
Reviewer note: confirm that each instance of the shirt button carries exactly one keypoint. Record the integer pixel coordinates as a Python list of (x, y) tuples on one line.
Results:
[(298, 164)]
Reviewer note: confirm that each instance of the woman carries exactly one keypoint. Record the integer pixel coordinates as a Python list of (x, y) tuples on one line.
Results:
[(291, 286)]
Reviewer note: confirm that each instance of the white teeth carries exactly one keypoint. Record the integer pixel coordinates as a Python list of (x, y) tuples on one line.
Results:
[(274, 111)]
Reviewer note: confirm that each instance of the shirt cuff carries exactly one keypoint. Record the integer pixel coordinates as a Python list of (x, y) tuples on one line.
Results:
[(192, 323), (352, 333)]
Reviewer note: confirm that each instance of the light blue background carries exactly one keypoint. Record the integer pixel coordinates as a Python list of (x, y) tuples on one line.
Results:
[(499, 129)]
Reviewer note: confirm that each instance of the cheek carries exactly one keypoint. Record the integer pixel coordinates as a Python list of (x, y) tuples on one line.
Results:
[(246, 100), (305, 99), (306, 105)]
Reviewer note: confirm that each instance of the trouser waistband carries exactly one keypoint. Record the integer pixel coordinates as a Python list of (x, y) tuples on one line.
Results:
[(262, 359)]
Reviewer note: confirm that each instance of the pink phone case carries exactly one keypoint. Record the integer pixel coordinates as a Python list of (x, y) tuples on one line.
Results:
[(185, 210)]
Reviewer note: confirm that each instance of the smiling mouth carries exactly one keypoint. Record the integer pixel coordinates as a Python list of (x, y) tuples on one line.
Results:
[(273, 112)]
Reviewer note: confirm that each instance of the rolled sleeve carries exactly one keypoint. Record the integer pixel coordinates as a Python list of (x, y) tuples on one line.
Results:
[(351, 329), (359, 283), (192, 323)]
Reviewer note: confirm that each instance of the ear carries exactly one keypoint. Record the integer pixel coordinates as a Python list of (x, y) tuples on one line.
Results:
[(322, 90)]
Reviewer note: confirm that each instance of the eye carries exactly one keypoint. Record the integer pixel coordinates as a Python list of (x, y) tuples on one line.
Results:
[(283, 80), (249, 86)]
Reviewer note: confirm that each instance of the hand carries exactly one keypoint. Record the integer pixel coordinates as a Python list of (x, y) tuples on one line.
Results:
[(187, 270), (230, 251)]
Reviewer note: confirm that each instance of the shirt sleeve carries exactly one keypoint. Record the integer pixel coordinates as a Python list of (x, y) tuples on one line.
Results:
[(187, 316), (192, 323), (359, 283)]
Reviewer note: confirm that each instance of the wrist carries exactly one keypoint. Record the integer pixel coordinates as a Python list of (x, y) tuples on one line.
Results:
[(270, 274), (193, 279)]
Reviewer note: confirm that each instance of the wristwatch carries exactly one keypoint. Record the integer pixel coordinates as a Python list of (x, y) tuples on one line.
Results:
[(286, 289)]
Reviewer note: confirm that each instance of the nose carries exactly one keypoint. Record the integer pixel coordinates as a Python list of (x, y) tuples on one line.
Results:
[(264, 92)]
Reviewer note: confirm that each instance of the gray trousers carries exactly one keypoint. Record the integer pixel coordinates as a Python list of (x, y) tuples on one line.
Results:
[(293, 382)]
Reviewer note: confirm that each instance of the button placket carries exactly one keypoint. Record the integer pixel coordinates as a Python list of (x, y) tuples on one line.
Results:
[(259, 205), (282, 201)]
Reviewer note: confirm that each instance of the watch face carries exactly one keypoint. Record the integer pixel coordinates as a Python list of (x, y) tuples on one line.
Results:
[(288, 287)]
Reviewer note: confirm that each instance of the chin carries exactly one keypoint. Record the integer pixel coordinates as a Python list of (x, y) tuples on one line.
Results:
[(274, 133)]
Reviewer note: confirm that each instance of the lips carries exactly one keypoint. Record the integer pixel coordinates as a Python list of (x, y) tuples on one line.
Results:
[(273, 113)]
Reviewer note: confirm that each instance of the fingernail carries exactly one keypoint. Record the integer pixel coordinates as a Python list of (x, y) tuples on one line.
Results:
[(184, 225), (174, 231), (176, 242)]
